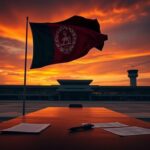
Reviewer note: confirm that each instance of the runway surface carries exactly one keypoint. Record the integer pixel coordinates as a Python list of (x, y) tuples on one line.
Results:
[(137, 109)]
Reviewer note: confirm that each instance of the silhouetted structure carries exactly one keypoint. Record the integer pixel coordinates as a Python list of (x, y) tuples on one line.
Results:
[(125, 93), (133, 74), (78, 90), (74, 89)]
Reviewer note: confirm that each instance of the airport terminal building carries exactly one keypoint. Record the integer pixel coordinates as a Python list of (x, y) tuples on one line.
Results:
[(75, 90)]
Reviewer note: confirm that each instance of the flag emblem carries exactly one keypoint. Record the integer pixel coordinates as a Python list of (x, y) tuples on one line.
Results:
[(65, 39)]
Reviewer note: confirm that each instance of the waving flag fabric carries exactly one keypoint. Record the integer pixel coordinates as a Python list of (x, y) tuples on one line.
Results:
[(64, 41)]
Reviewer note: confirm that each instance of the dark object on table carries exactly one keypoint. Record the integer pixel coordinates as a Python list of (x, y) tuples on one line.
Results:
[(82, 128), (75, 105)]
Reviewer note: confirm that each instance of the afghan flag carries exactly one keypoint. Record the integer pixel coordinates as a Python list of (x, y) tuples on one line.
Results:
[(64, 41)]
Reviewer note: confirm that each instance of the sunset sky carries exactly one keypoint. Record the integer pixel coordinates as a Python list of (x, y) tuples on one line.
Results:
[(126, 22)]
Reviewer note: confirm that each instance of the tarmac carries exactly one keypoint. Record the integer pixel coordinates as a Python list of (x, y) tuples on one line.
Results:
[(137, 109)]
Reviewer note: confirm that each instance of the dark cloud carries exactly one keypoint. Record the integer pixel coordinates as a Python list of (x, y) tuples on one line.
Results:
[(127, 3), (10, 52), (131, 35), (111, 4), (9, 10), (11, 42)]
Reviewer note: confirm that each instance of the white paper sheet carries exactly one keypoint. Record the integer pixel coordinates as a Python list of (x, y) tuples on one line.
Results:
[(27, 128), (127, 131), (107, 124)]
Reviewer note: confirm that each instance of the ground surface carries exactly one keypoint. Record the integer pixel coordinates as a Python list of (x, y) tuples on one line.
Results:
[(137, 109)]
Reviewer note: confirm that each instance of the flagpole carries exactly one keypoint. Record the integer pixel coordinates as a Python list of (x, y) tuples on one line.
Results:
[(25, 69)]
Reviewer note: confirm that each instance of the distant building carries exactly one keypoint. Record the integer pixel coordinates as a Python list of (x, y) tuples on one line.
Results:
[(133, 74), (78, 90), (75, 90)]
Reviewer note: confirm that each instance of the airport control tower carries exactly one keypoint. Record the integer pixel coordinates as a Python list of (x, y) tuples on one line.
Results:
[(133, 74)]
